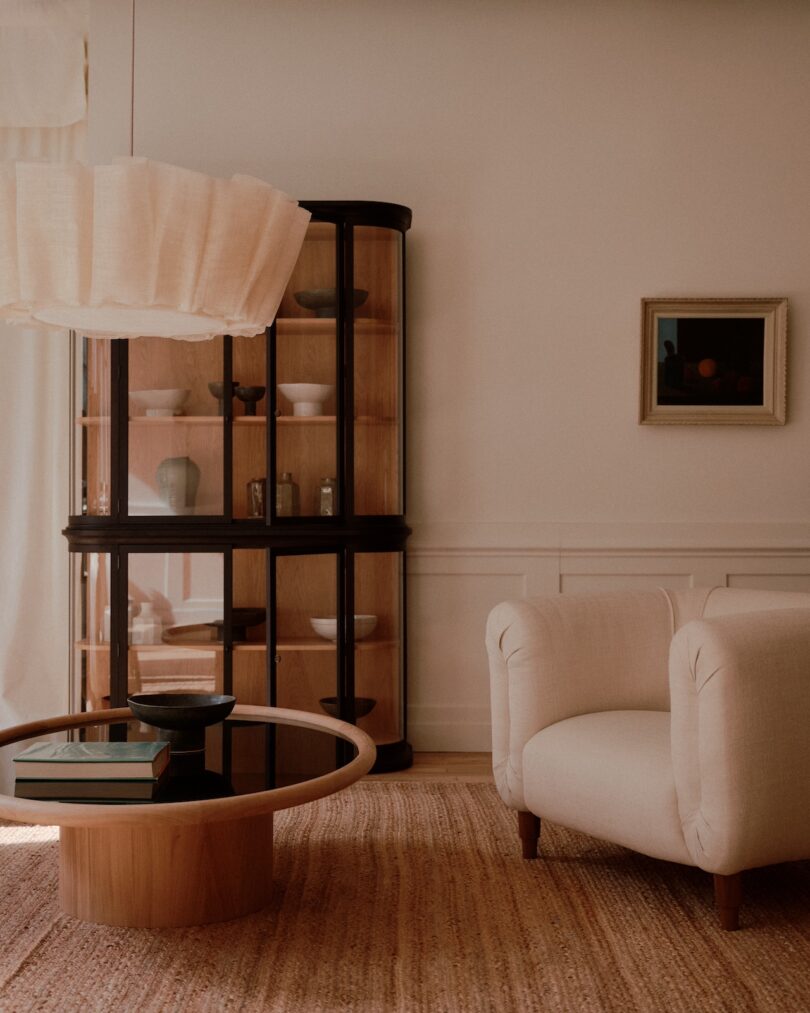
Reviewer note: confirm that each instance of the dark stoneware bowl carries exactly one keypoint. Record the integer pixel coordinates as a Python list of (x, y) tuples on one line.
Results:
[(250, 395), (241, 618), (217, 387), (324, 300), (182, 718), (176, 711), (362, 705)]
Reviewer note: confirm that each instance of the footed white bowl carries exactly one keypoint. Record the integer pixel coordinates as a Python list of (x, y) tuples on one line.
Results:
[(307, 398), (326, 626), (160, 402)]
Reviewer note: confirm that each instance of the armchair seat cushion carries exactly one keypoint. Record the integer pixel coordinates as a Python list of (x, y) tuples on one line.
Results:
[(608, 774)]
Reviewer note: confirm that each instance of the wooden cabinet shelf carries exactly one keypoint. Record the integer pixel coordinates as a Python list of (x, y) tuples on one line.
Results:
[(290, 644), (240, 421), (310, 644), (143, 420), (325, 327)]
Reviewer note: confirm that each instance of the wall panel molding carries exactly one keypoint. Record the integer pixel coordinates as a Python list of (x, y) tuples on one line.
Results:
[(549, 540), (453, 586)]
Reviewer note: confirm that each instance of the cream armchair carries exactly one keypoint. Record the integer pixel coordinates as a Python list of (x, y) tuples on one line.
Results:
[(708, 767)]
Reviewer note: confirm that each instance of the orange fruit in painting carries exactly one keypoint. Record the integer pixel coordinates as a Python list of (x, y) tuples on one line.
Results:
[(707, 368)]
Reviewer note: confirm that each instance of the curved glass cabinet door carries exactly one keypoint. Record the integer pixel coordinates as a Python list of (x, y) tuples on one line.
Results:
[(92, 399), (175, 622), (306, 648), (249, 433), (90, 576), (377, 676), (377, 371)]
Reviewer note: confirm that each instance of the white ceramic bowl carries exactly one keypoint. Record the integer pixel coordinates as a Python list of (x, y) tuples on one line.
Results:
[(160, 402), (326, 626), (307, 398)]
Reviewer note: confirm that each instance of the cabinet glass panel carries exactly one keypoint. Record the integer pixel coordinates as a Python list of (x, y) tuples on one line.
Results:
[(92, 494), (176, 615), (306, 376), (249, 426), (249, 626), (175, 427), (378, 645), (378, 371), (91, 630), (306, 624)]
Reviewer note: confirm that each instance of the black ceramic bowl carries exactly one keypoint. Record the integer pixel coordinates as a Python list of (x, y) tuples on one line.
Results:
[(324, 300), (241, 618), (250, 393), (217, 387), (178, 711), (362, 705)]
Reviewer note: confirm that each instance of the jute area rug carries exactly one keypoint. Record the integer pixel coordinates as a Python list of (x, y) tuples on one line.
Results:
[(412, 897)]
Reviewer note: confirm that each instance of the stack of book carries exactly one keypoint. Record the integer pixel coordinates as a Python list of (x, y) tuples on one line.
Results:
[(91, 771)]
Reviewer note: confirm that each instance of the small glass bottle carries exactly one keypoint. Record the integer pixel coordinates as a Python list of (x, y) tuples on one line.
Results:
[(256, 494), (287, 500), (327, 500), (147, 627), (133, 609), (103, 500)]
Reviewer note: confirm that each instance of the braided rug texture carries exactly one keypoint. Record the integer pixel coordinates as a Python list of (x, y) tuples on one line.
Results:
[(403, 896)]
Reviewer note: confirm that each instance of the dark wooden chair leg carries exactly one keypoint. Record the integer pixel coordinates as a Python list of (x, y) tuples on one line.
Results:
[(529, 830), (727, 900)]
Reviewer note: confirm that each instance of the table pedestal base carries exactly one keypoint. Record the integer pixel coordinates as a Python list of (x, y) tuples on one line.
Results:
[(168, 875)]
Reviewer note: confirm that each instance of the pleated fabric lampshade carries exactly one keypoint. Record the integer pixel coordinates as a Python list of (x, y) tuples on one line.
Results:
[(143, 248)]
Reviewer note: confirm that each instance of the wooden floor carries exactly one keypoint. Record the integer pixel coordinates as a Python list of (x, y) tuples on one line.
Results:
[(450, 767)]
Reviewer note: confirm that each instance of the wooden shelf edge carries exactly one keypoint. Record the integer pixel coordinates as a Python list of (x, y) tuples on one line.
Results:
[(311, 644), (143, 420), (327, 326), (239, 647), (239, 421), (362, 420)]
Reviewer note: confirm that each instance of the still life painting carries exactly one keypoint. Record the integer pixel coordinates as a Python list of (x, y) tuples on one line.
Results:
[(713, 361)]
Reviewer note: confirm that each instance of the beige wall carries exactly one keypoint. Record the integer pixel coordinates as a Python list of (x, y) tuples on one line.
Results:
[(562, 159)]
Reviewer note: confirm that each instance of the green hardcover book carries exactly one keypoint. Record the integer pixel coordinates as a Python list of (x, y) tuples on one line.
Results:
[(109, 790), (92, 761)]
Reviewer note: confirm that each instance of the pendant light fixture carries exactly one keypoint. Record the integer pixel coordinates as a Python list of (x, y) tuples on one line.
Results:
[(139, 247)]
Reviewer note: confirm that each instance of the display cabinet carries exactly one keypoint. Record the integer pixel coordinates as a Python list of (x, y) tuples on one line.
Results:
[(238, 518)]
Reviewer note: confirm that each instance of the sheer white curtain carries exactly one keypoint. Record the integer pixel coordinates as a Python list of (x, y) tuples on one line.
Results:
[(34, 505), (35, 429)]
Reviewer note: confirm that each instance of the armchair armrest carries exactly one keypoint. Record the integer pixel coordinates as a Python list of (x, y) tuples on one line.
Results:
[(740, 690), (557, 656)]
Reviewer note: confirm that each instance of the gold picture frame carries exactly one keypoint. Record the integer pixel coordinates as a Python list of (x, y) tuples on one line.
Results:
[(713, 361)]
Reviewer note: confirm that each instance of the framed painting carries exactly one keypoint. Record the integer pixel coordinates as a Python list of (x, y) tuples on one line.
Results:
[(713, 361)]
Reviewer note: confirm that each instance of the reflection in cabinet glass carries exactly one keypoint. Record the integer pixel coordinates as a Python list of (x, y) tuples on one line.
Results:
[(239, 507)]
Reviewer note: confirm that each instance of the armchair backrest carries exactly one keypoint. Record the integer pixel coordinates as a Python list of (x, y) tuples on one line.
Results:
[(726, 601), (708, 602)]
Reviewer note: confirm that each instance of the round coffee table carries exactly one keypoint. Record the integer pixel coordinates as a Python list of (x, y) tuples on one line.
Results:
[(203, 859)]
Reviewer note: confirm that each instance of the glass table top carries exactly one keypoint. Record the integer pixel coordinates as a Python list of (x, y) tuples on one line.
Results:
[(242, 756)]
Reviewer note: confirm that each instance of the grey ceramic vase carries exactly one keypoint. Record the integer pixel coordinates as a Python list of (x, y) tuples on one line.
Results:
[(178, 479)]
